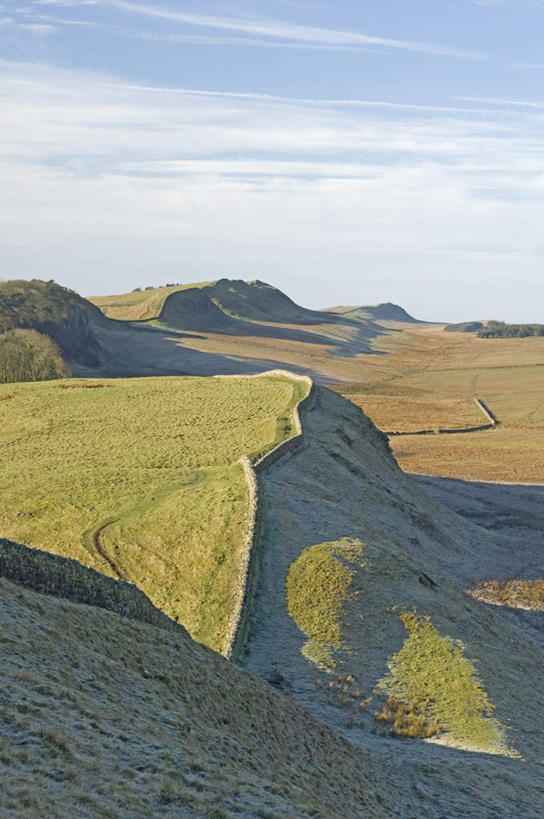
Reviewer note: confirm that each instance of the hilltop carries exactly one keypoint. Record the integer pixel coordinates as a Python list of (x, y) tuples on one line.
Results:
[(55, 311), (183, 305), (387, 312)]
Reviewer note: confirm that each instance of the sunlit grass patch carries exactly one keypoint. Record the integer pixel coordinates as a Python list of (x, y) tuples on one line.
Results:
[(433, 688), (142, 480), (318, 585)]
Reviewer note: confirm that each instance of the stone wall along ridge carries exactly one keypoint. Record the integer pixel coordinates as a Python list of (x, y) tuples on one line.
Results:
[(248, 573)]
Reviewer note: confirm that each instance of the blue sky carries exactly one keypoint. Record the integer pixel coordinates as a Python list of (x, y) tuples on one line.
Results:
[(348, 152)]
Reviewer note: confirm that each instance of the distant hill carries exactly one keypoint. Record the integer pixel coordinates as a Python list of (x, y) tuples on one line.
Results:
[(379, 312), (209, 306), (56, 312), (258, 301), (464, 327)]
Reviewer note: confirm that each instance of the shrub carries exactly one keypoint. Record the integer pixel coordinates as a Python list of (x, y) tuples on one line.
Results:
[(26, 355)]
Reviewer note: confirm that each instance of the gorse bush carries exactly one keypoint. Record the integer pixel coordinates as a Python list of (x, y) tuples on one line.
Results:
[(26, 355)]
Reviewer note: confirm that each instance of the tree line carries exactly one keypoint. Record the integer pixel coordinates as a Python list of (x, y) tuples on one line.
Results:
[(500, 329), (26, 355)]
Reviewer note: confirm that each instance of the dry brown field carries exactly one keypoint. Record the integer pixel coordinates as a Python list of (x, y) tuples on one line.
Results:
[(430, 378), (419, 377)]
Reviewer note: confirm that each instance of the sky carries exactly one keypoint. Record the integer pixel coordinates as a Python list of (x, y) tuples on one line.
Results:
[(346, 151)]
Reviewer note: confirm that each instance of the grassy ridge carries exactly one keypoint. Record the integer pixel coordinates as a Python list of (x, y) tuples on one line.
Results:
[(140, 304), (138, 478)]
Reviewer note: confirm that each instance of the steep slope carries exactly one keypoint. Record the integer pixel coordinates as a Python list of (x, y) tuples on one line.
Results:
[(193, 309), (106, 715), (258, 301), (55, 311), (360, 602), (224, 304)]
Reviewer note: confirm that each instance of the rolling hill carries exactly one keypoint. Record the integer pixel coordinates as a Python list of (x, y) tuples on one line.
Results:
[(378, 313), (356, 606), (144, 479), (252, 301)]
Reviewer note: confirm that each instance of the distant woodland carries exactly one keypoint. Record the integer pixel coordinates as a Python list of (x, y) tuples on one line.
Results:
[(499, 329)]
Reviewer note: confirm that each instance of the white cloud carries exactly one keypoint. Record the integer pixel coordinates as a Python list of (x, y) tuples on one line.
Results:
[(504, 103), (274, 29), (103, 177)]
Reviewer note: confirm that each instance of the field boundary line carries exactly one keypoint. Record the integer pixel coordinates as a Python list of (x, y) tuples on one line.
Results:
[(237, 629), (492, 422)]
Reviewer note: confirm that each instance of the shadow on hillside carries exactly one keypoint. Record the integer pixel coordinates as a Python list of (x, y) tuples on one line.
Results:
[(512, 512), (132, 351), (347, 337)]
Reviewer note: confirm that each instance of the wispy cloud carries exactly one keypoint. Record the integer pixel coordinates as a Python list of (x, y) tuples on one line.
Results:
[(104, 175), (287, 32), (503, 103)]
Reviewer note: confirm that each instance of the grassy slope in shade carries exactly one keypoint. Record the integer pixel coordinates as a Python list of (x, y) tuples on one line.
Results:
[(158, 456), (103, 716)]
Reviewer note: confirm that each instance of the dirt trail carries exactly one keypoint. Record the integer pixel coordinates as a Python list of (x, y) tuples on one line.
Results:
[(97, 543)]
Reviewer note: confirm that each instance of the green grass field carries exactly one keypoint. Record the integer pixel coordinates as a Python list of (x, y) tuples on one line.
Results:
[(138, 478), (140, 304)]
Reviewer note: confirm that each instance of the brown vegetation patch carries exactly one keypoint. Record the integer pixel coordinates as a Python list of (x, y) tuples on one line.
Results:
[(74, 386), (514, 594), (407, 719)]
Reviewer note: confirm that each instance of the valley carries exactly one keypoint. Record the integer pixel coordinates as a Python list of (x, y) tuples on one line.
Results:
[(236, 471)]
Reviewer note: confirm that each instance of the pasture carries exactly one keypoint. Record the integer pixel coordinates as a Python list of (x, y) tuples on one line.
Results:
[(139, 478), (429, 379)]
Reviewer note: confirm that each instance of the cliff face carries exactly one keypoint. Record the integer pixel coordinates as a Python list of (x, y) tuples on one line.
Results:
[(75, 337), (221, 306), (194, 310), (56, 311)]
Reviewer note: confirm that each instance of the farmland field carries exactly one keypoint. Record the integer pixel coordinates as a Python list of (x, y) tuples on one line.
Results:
[(429, 379), (139, 478)]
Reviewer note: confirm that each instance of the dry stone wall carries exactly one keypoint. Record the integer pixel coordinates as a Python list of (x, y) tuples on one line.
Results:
[(238, 624)]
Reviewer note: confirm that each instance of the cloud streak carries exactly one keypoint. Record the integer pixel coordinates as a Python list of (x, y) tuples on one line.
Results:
[(273, 30), (110, 176)]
